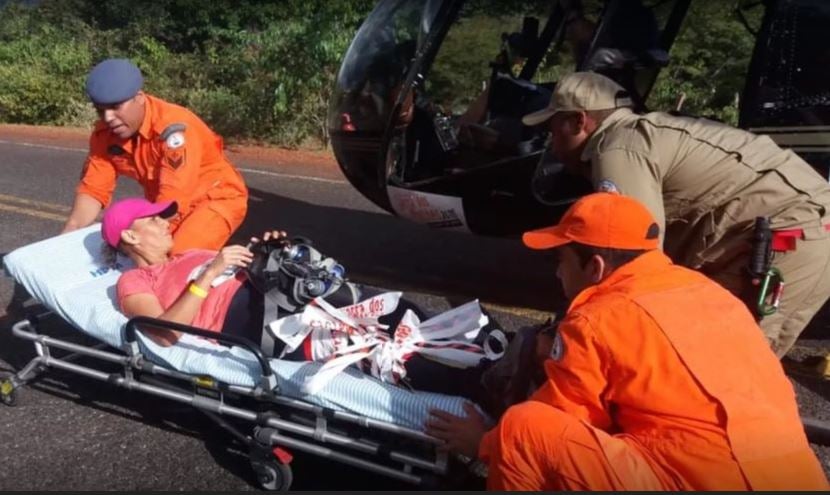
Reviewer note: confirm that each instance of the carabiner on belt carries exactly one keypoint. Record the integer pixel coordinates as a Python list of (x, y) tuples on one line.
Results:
[(772, 281)]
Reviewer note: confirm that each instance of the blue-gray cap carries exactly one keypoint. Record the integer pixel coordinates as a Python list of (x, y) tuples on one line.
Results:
[(112, 81)]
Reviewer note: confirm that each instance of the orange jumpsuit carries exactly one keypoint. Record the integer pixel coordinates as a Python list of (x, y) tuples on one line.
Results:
[(174, 156), (661, 380)]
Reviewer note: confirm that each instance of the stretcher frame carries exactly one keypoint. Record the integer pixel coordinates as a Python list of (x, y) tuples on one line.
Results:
[(288, 424)]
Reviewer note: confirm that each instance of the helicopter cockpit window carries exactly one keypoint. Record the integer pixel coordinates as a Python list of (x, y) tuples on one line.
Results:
[(475, 45), (472, 95), (571, 45), (376, 64)]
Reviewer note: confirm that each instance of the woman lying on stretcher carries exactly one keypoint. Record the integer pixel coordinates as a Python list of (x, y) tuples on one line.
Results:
[(214, 291)]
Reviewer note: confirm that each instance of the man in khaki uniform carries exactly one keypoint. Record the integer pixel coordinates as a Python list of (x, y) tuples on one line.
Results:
[(705, 183)]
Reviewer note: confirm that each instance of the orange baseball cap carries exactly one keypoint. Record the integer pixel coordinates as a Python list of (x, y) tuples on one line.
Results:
[(608, 220)]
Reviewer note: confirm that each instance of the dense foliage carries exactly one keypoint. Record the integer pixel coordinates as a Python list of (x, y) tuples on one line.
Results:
[(263, 70)]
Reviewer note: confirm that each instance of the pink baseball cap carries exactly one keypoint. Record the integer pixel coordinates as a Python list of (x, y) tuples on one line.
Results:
[(121, 214)]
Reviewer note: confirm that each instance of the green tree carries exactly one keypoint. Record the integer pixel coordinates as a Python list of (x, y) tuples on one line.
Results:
[(709, 61), (264, 70), (253, 69)]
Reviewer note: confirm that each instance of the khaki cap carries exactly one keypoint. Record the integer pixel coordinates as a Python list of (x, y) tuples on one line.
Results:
[(581, 91)]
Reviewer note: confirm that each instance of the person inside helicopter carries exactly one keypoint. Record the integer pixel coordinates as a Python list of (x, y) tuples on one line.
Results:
[(626, 39), (628, 33), (432, 139), (624, 42), (492, 122)]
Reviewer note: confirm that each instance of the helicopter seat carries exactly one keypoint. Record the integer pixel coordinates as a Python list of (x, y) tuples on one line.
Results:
[(623, 65), (617, 59), (510, 100), (627, 43)]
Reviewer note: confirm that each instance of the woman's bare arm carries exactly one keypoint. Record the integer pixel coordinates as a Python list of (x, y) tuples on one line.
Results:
[(186, 307)]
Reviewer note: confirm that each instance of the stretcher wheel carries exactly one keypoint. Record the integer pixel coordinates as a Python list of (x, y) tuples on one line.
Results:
[(273, 475), (8, 394)]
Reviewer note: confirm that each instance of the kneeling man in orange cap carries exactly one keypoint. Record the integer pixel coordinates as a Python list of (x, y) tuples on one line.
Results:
[(657, 378)]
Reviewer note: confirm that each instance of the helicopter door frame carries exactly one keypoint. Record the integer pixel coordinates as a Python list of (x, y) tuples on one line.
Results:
[(551, 31), (646, 77), (414, 77)]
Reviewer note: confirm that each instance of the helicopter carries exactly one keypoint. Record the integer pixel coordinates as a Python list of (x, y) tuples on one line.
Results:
[(433, 138)]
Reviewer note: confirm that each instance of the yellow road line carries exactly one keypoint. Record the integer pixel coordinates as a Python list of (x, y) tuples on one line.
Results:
[(33, 213), (39, 204), (45, 146)]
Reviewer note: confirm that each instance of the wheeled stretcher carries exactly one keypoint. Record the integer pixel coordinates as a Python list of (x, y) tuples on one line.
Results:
[(355, 419)]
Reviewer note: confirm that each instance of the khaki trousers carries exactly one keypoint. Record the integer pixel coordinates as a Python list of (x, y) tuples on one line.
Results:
[(806, 273)]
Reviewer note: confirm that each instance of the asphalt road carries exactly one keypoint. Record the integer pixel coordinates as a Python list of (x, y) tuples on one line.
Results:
[(71, 433)]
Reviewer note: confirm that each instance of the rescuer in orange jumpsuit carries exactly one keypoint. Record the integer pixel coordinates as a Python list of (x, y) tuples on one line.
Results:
[(657, 378), (166, 148)]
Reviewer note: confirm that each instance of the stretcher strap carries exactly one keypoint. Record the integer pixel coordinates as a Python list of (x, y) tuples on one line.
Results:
[(341, 340)]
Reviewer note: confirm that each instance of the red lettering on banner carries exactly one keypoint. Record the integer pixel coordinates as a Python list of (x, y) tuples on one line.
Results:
[(376, 306)]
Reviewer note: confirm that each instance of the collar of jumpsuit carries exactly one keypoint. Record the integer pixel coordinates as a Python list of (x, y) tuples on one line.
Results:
[(146, 123), (646, 263)]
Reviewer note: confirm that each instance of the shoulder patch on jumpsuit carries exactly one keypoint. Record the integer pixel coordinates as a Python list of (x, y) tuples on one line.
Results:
[(172, 128), (173, 137), (607, 185)]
